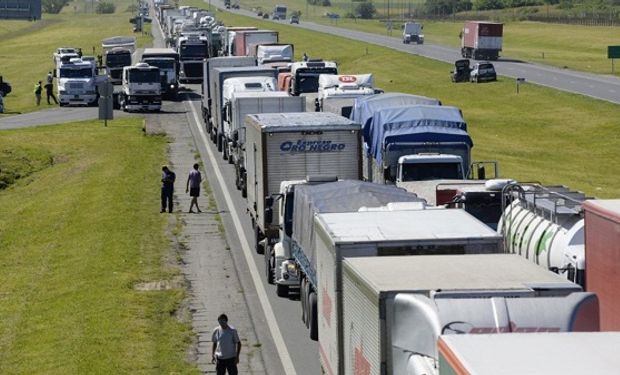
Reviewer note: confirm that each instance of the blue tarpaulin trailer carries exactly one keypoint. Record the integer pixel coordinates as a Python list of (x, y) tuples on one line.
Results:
[(407, 130)]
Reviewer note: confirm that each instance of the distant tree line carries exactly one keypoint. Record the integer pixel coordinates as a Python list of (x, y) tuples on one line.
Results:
[(455, 6)]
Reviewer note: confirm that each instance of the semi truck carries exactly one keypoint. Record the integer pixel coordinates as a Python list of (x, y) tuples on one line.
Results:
[(300, 200), (333, 86), (220, 75), (412, 33), (242, 104), (394, 308), (436, 135), (602, 249), (279, 12), (545, 225), (192, 49), (167, 60), (77, 83), (228, 47), (291, 146), (141, 89), (244, 39), (305, 75), (535, 353), (374, 233), (117, 53), (481, 40), (208, 84)]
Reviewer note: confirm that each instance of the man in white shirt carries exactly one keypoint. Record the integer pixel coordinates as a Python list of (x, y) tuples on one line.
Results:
[(226, 347)]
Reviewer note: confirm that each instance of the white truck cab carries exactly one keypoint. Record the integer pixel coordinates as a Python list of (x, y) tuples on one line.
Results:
[(430, 166), (141, 88), (274, 54), (64, 54), (77, 83)]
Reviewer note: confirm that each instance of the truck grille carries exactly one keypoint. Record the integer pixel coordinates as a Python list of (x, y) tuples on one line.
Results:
[(75, 86), (193, 70)]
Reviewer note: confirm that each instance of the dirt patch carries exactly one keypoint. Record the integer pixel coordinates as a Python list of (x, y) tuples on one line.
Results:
[(19, 162), (176, 283)]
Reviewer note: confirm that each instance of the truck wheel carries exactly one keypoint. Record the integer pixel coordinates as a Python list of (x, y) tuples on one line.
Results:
[(237, 179), (269, 269), (243, 183), (302, 298), (219, 142), (307, 292), (224, 150), (257, 238), (313, 318), (282, 290), (231, 160)]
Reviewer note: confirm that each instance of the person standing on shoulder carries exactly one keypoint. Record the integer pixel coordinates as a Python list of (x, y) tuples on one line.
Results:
[(49, 91), (37, 93), (193, 187), (167, 188), (226, 347), (50, 77)]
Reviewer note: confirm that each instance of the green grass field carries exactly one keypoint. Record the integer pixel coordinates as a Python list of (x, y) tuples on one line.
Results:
[(576, 47), (78, 231), (27, 47), (538, 135)]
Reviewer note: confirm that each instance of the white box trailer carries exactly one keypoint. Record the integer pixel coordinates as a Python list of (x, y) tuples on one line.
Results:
[(422, 231), (290, 146), (208, 86), (384, 337), (573, 353), (246, 103)]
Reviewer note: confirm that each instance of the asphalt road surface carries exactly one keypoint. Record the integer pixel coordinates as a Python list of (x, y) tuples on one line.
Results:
[(603, 87)]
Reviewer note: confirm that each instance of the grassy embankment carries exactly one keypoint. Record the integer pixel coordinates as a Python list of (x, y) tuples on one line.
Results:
[(538, 135), (79, 231), (27, 47), (576, 47)]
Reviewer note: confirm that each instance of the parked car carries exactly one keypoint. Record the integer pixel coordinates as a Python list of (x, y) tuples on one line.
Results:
[(461, 72), (235, 6), (483, 72), (294, 19)]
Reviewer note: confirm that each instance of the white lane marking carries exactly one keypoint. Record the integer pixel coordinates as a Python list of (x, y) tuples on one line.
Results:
[(278, 340)]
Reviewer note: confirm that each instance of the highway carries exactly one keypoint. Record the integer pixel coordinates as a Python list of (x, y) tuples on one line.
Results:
[(285, 343), (603, 87)]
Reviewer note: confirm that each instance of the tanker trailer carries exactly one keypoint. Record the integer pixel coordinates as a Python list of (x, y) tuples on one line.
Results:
[(545, 225)]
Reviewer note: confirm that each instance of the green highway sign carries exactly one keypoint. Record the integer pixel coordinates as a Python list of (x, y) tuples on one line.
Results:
[(613, 52)]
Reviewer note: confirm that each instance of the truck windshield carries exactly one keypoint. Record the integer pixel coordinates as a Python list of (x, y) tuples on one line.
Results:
[(193, 50), (431, 171), (308, 80), (118, 60), (161, 64), (288, 213), (76, 72), (144, 76)]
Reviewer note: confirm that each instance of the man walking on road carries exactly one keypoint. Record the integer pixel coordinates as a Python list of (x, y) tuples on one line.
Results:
[(49, 90), (167, 188), (226, 347), (193, 187), (37, 93)]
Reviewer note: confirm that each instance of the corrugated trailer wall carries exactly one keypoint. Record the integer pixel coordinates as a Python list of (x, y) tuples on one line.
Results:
[(602, 241)]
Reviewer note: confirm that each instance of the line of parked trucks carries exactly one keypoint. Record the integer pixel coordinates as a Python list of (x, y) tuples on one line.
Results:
[(378, 220), (368, 208)]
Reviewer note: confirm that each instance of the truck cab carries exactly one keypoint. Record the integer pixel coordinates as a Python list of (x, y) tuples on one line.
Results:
[(192, 49), (168, 70), (343, 87), (429, 166), (279, 12), (305, 75), (117, 52), (77, 83), (64, 55), (412, 33), (141, 90), (274, 55)]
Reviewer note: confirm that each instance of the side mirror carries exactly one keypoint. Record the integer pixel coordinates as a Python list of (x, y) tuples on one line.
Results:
[(482, 173), (268, 215)]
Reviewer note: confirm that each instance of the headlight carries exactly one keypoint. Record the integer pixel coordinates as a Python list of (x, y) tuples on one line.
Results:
[(291, 268)]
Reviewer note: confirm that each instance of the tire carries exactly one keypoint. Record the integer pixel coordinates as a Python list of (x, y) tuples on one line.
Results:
[(314, 317), (219, 142), (282, 290), (257, 238), (237, 179), (302, 298), (269, 269), (224, 150), (244, 184), (307, 292)]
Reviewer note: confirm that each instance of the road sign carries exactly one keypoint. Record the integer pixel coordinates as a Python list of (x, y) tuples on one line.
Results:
[(105, 109), (613, 52), (105, 89)]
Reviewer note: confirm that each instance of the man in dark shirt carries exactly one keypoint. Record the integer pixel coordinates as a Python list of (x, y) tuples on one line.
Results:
[(167, 188)]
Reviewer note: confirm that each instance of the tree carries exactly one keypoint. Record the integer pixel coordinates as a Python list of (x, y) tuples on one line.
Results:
[(53, 6), (105, 8), (366, 9)]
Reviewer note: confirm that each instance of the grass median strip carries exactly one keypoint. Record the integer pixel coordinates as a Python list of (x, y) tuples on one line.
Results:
[(78, 236)]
